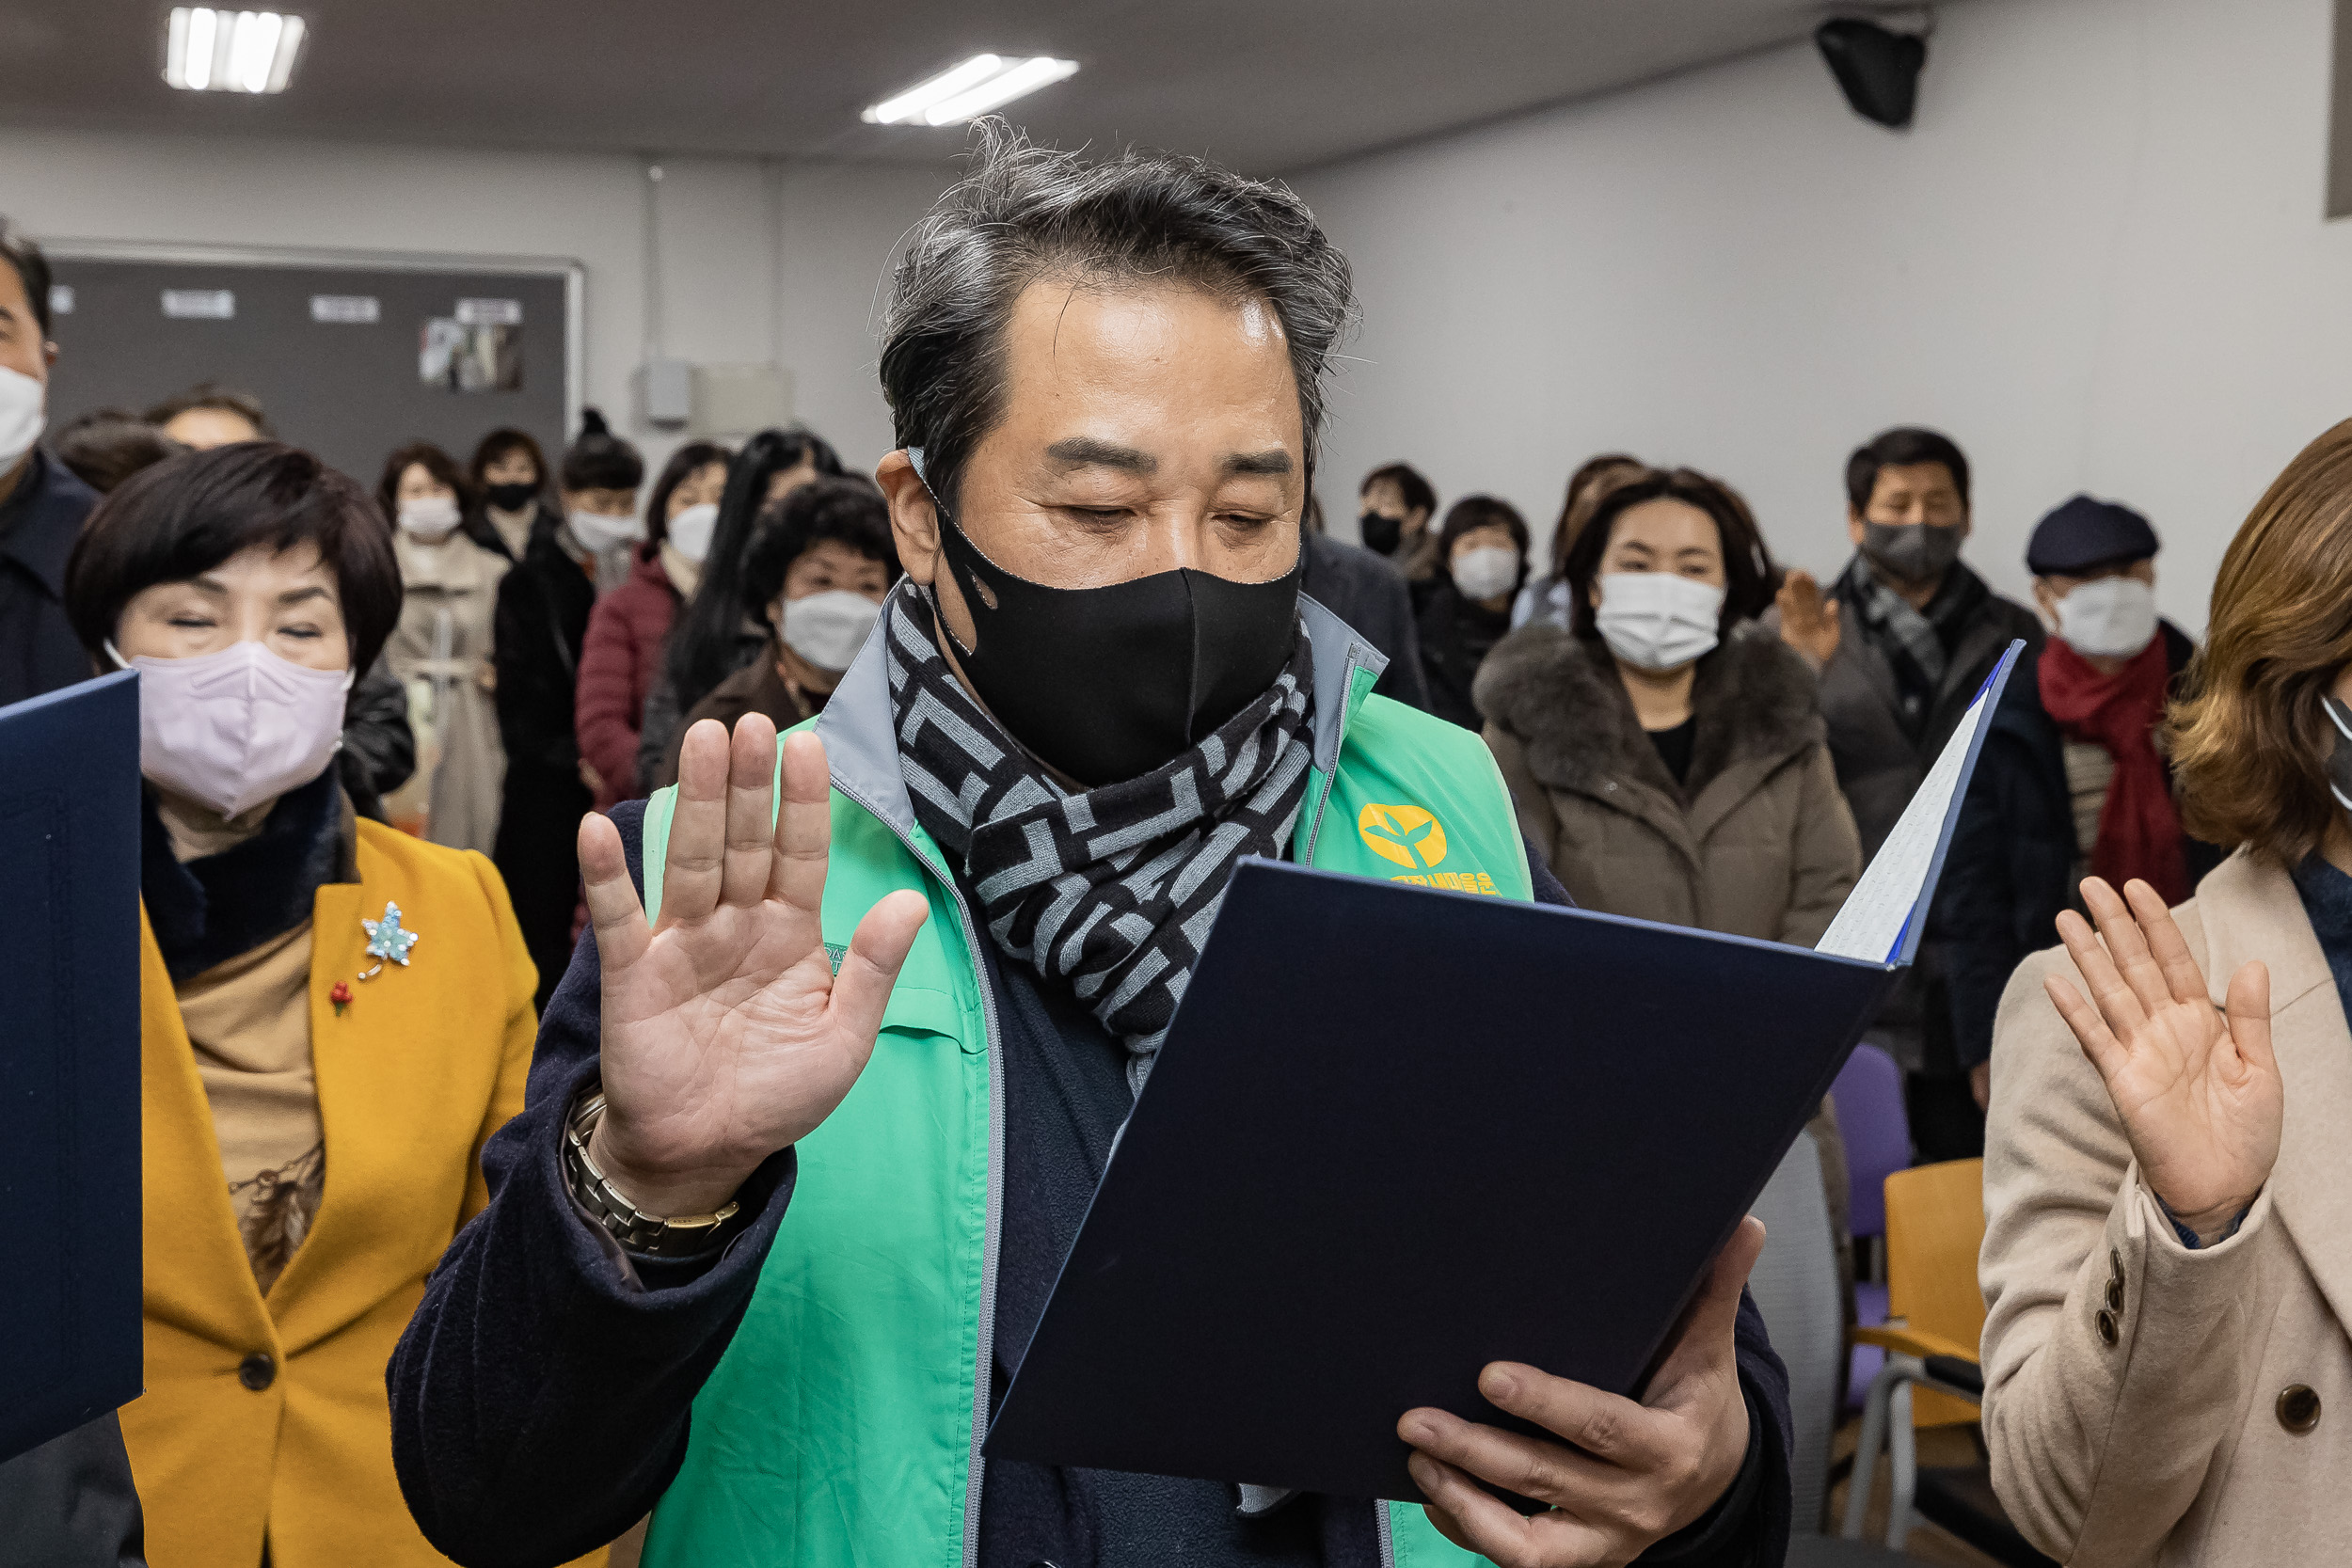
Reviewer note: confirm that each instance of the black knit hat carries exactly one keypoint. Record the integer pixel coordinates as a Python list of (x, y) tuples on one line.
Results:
[(2086, 533)]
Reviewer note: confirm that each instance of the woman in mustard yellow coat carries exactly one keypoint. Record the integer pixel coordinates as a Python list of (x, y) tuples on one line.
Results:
[(336, 1014)]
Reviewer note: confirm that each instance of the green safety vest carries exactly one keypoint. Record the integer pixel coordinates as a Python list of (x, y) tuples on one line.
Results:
[(839, 1427)]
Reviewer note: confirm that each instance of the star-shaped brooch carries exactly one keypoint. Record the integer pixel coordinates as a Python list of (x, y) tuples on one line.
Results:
[(388, 938)]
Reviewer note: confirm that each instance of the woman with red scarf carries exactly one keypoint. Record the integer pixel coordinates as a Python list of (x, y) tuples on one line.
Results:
[(2072, 783)]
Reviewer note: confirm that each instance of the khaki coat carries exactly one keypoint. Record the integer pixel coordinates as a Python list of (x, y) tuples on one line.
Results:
[(2141, 1398)]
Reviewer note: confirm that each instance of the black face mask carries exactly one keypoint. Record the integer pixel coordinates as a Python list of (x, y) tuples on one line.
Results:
[(1381, 534), (510, 497), (1108, 684)]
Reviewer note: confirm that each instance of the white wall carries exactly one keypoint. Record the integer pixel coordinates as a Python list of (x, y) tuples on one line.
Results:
[(836, 226), (2098, 261)]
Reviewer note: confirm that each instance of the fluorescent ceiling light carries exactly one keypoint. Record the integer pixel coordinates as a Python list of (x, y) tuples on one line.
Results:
[(217, 50), (969, 90)]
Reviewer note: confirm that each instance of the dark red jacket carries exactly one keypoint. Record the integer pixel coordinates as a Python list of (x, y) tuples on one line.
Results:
[(617, 666)]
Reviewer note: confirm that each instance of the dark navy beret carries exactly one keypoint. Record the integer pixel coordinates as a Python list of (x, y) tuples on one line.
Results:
[(2084, 533)]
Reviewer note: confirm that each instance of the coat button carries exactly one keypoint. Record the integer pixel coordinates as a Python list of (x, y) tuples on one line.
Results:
[(2298, 1407), (256, 1372), (2107, 1325), (2115, 1295), (2115, 1265)]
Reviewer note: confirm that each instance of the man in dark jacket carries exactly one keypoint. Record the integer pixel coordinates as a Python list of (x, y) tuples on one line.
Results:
[(537, 632), (41, 503), (799, 1360), (2072, 782), (1903, 643)]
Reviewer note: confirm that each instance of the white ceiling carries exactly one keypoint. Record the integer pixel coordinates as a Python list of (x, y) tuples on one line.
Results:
[(1268, 85)]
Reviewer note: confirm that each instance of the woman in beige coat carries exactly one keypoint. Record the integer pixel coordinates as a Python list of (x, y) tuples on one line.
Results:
[(2168, 1252)]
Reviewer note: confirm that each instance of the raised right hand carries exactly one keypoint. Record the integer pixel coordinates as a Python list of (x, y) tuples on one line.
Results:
[(2200, 1096), (726, 1034), (1808, 621)]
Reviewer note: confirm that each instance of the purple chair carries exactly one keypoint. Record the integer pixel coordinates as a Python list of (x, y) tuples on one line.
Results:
[(1877, 1131)]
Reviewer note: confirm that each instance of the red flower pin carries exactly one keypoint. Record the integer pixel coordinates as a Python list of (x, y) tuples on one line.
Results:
[(341, 996)]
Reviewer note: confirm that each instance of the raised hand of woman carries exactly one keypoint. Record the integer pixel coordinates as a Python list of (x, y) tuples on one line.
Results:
[(2197, 1090), (726, 1034)]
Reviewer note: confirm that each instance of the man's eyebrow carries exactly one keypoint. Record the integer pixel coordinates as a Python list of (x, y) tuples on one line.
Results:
[(1275, 460), (1085, 452)]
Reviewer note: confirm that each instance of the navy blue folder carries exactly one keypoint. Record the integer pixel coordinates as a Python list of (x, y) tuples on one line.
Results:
[(70, 1058), (1396, 1133)]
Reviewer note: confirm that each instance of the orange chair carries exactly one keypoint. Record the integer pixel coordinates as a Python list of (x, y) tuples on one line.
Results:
[(1936, 1320)]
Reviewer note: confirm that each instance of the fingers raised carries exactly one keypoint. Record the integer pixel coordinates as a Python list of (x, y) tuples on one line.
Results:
[(804, 828), (2183, 979), (2249, 1016), (750, 801), (2091, 1033), (2116, 1002), (877, 948), (613, 912), (2127, 945), (693, 867)]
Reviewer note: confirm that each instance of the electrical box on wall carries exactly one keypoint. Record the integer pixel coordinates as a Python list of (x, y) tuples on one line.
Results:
[(666, 393), (733, 401)]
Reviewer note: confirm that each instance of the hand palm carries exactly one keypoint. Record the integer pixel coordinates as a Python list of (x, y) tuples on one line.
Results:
[(726, 1034), (2199, 1094), (1808, 621)]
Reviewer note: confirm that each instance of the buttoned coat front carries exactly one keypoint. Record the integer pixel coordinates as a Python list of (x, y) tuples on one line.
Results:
[(2146, 1402)]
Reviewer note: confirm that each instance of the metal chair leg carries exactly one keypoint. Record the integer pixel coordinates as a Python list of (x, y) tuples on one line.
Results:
[(1902, 1446), (1866, 1454)]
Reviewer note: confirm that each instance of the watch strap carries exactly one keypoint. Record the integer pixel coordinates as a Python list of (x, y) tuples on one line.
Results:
[(652, 1235)]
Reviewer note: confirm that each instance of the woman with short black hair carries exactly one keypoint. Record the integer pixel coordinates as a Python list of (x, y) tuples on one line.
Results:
[(318, 993), (818, 565), (510, 474)]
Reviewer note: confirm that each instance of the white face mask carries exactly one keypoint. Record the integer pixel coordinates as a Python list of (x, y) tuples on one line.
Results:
[(234, 728), (2111, 618), (600, 531), (691, 528), (1657, 620), (23, 413), (431, 519), (1487, 572), (827, 629)]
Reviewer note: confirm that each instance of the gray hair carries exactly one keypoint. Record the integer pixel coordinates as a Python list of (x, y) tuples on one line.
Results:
[(1024, 212)]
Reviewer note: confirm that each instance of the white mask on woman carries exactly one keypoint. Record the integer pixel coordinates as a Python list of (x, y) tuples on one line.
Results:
[(1657, 620), (431, 519), (2111, 618), (691, 532), (599, 532), (827, 629), (23, 411), (1487, 572), (236, 727)]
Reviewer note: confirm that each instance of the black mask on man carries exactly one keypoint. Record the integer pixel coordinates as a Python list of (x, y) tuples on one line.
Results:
[(1915, 552), (510, 497), (1108, 684), (1381, 534)]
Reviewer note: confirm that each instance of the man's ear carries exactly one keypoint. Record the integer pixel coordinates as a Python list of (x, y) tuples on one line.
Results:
[(1853, 526), (914, 515)]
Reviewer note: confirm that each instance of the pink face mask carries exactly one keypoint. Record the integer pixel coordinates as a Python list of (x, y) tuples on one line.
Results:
[(234, 728)]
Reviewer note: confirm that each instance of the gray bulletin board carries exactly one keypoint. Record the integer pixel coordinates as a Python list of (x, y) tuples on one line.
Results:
[(330, 341)]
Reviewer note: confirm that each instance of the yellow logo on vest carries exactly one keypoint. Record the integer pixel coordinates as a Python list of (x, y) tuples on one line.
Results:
[(1412, 837)]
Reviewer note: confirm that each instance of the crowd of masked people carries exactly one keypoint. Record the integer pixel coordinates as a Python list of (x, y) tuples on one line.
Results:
[(1698, 735), (472, 655)]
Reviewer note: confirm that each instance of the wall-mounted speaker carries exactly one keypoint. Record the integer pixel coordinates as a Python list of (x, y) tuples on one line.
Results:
[(1876, 67)]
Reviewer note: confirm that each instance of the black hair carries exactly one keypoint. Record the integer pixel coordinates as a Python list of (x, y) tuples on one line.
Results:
[(1024, 212), (850, 509), (599, 460), (1477, 511), (496, 445), (702, 649), (179, 519), (1582, 494), (682, 464), (32, 270), (211, 394), (441, 465), (1901, 448), (1750, 578), (1419, 494), (106, 446)]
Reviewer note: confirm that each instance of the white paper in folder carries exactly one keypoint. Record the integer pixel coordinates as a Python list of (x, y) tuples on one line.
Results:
[(1880, 920)]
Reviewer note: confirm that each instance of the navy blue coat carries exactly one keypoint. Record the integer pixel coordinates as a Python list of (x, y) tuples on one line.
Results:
[(39, 523)]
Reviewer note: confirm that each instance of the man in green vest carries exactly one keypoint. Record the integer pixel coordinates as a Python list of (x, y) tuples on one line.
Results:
[(815, 1114)]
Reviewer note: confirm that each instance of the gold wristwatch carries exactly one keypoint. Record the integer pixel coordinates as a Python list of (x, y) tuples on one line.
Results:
[(636, 1231)]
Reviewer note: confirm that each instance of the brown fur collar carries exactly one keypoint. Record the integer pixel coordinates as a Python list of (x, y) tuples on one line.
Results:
[(1755, 696)]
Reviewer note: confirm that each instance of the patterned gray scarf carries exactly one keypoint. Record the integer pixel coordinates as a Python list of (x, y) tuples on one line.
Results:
[(1110, 891)]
